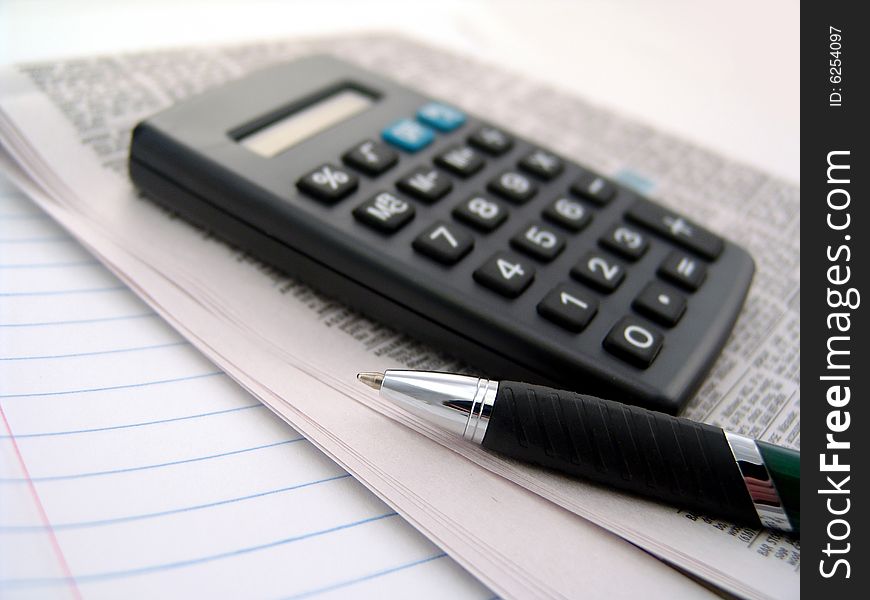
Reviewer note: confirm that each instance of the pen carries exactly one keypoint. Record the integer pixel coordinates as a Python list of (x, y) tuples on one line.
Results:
[(695, 466)]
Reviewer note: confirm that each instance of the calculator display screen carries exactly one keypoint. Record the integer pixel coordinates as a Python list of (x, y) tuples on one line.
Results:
[(306, 122)]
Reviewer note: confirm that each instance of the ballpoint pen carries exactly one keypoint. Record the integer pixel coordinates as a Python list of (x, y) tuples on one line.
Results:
[(691, 465)]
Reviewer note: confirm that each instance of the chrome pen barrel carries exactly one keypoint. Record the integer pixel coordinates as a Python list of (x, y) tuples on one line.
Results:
[(460, 404)]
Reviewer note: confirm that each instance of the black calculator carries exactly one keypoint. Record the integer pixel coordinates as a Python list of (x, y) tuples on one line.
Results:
[(451, 229)]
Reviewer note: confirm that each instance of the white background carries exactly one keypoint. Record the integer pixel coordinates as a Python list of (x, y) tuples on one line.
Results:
[(724, 74)]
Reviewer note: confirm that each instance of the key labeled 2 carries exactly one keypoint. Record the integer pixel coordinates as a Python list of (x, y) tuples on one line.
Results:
[(599, 271)]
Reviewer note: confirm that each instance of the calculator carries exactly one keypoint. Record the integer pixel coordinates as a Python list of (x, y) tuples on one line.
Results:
[(451, 229)]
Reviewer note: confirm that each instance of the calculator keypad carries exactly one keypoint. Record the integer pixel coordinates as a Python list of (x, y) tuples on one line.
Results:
[(576, 204)]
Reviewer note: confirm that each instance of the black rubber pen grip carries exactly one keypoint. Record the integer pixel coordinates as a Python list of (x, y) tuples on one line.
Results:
[(687, 464)]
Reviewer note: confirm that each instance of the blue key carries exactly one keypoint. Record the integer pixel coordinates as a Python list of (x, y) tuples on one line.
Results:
[(409, 135), (441, 116)]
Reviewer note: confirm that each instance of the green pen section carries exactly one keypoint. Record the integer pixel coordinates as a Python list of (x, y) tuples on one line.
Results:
[(784, 466)]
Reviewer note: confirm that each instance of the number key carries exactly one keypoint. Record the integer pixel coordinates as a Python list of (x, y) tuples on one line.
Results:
[(444, 242), (602, 273), (569, 307), (506, 274), (568, 213), (539, 241), (625, 241), (513, 186), (481, 213), (634, 342)]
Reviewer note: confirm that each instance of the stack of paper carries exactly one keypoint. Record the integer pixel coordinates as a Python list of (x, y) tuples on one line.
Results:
[(65, 130)]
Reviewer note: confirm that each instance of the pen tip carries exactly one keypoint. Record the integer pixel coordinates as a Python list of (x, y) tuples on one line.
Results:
[(373, 380)]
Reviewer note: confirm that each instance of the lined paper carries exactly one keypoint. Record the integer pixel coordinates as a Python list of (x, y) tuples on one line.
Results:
[(131, 467)]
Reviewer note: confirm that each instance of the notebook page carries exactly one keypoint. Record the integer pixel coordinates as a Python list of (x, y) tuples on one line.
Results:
[(131, 467)]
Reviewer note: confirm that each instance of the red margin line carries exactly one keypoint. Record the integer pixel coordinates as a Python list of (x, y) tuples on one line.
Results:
[(64, 566)]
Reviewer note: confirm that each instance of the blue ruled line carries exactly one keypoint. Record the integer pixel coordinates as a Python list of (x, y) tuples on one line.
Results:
[(194, 561), (111, 387), (80, 321), (65, 292), (368, 577), (147, 467), (19, 436), (58, 265), (96, 352), (102, 522)]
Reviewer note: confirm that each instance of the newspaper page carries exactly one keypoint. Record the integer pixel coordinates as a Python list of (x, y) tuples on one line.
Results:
[(753, 387)]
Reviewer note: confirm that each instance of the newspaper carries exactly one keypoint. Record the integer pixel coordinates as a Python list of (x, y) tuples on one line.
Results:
[(53, 109)]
